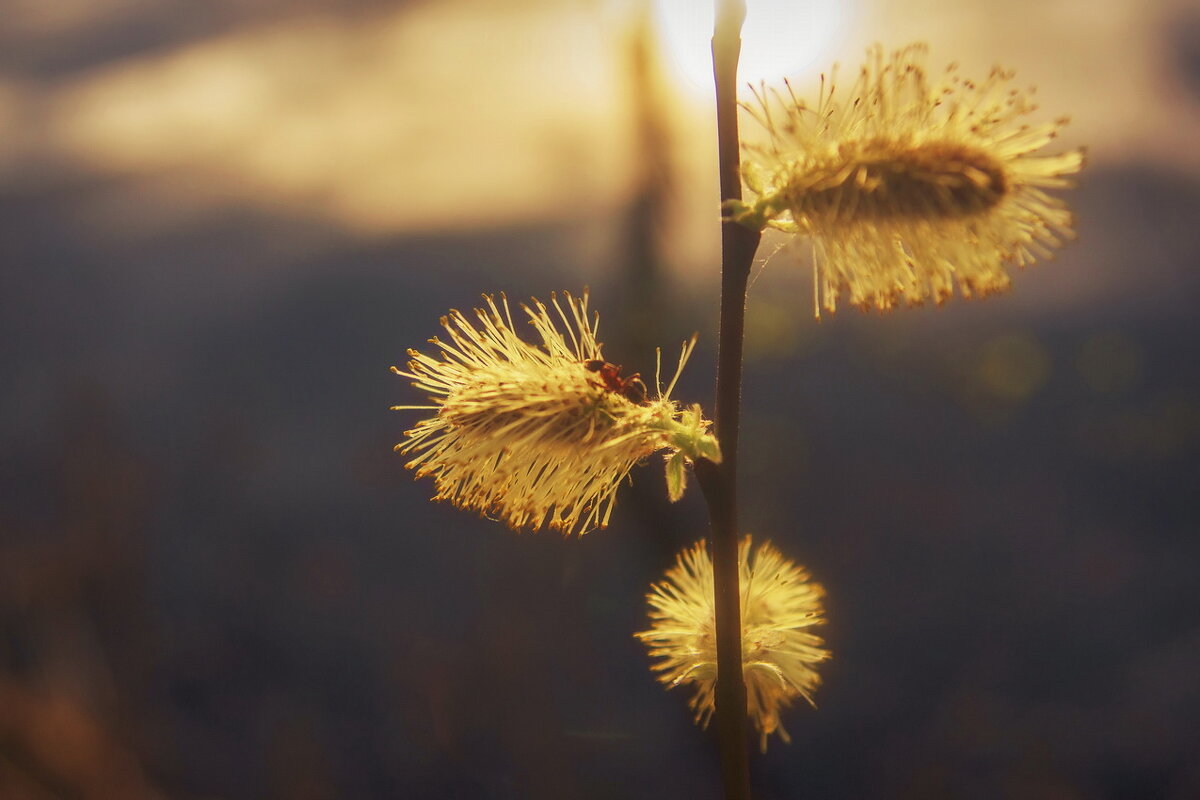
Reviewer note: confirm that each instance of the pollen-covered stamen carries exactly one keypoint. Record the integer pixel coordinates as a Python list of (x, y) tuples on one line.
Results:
[(779, 607), (530, 433), (911, 187), (562, 421), (879, 181)]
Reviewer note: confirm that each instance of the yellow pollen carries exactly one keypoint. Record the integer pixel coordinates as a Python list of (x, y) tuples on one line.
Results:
[(911, 187), (566, 420), (881, 180)]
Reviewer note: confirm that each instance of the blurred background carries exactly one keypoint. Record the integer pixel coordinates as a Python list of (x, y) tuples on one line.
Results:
[(222, 222)]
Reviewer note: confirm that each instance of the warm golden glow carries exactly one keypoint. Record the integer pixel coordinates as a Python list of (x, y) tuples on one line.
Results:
[(780, 37), (464, 114), (414, 118)]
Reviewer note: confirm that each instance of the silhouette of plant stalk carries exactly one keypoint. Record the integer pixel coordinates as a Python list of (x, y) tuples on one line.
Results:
[(718, 482)]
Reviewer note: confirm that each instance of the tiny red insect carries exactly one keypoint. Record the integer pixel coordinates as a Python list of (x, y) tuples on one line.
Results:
[(632, 388)]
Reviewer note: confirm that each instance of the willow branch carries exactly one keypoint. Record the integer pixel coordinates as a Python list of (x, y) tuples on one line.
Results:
[(719, 481)]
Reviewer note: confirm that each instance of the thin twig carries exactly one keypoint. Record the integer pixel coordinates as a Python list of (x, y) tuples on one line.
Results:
[(719, 481)]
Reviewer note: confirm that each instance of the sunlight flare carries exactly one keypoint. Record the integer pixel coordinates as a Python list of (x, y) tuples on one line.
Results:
[(780, 37)]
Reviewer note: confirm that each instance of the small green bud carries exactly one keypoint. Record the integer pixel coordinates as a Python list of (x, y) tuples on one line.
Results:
[(690, 435), (749, 216), (676, 476)]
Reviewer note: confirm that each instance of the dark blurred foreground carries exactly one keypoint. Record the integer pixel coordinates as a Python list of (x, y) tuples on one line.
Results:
[(218, 581)]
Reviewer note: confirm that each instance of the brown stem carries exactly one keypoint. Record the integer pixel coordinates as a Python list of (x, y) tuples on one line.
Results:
[(718, 482)]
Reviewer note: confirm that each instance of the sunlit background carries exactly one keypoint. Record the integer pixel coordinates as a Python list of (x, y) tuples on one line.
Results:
[(223, 221), (782, 37)]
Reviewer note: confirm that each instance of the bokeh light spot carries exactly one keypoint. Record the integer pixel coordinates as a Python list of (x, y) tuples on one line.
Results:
[(1013, 367), (779, 38)]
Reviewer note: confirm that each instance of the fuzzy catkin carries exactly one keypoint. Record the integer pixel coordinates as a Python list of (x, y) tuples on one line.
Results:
[(909, 187)]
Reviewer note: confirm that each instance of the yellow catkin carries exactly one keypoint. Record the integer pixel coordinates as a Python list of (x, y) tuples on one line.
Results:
[(779, 605), (533, 434), (910, 187)]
